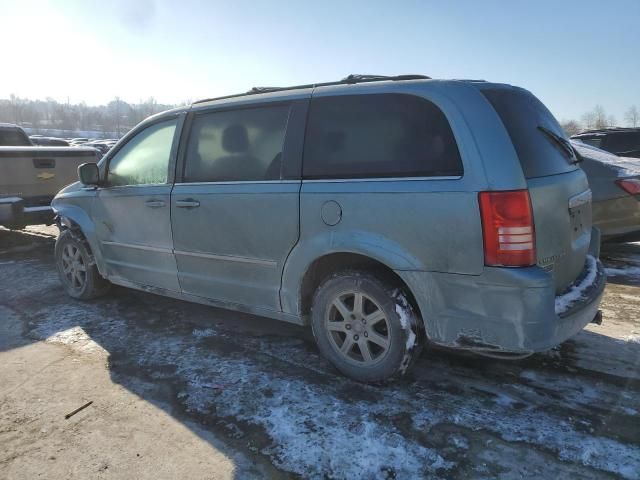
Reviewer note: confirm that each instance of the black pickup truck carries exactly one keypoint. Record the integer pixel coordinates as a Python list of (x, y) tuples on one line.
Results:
[(30, 176)]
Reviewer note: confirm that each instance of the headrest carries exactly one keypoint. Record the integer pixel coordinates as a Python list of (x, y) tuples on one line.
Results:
[(235, 139)]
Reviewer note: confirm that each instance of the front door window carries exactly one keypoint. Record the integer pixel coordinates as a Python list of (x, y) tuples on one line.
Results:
[(144, 160)]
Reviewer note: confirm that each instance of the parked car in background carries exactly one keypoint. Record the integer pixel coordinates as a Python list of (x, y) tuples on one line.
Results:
[(30, 176), (382, 211), (99, 145), (615, 183), (624, 142), (48, 141)]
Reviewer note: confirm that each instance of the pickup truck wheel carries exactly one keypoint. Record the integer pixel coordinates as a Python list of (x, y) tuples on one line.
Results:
[(76, 268), (365, 327)]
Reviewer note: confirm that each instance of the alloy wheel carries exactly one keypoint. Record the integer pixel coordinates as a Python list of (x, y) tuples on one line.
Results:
[(74, 267), (358, 328)]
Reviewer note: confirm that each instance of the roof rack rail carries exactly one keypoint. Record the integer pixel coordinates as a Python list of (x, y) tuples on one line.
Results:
[(349, 79), (263, 89), (357, 78)]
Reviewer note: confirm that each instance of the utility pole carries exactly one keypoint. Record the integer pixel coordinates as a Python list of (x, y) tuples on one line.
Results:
[(118, 117)]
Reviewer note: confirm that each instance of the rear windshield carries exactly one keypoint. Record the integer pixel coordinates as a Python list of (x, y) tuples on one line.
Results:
[(13, 138), (526, 119)]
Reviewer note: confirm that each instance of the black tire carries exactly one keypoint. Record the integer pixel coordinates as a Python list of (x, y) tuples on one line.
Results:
[(347, 323), (77, 269)]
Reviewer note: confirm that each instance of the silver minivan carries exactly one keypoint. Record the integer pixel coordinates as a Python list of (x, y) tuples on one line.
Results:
[(384, 212)]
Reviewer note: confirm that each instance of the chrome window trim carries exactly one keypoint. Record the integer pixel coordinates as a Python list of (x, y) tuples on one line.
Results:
[(381, 179), (240, 182), (133, 185)]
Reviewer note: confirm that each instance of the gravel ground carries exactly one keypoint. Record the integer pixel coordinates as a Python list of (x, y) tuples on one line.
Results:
[(186, 391)]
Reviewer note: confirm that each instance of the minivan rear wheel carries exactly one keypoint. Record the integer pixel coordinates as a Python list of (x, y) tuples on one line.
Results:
[(365, 326)]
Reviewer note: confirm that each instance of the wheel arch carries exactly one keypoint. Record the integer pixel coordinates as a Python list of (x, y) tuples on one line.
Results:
[(75, 218), (326, 265)]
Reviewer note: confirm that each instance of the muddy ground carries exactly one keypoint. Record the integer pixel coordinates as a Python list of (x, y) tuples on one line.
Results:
[(187, 391)]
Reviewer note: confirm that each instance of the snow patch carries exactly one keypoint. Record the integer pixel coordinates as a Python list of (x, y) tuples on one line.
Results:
[(624, 271), (459, 441), (204, 332), (314, 432), (77, 339), (403, 309), (68, 324), (536, 427), (577, 291), (631, 166), (625, 166)]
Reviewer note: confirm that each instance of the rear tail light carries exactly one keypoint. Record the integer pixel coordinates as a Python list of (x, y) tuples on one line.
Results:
[(507, 228), (630, 185)]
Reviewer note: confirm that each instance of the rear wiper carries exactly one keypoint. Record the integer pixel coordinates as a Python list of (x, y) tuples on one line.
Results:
[(564, 145), (579, 157)]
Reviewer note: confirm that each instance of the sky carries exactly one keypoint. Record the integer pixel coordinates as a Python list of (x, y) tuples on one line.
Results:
[(572, 54)]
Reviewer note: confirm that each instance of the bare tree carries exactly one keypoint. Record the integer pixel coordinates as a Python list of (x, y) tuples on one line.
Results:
[(117, 116), (571, 127), (598, 118), (589, 120), (632, 116)]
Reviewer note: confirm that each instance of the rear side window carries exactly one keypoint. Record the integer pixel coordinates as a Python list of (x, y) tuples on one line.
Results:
[(623, 143), (593, 141), (237, 145), (379, 135), (525, 118), (13, 138)]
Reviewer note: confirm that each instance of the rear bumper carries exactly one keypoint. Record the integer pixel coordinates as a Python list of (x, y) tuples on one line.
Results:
[(505, 310), (14, 213), (544, 335)]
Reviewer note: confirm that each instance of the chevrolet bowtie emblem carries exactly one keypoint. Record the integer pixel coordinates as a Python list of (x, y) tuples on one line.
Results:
[(45, 175)]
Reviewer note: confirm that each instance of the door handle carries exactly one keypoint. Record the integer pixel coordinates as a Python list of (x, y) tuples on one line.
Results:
[(188, 203), (154, 203)]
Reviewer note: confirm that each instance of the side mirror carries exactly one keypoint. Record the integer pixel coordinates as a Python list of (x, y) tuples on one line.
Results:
[(89, 174)]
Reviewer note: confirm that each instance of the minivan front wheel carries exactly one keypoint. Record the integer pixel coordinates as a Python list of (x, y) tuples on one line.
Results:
[(364, 326), (76, 268)]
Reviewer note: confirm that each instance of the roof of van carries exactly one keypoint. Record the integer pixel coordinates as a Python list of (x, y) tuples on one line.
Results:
[(285, 92)]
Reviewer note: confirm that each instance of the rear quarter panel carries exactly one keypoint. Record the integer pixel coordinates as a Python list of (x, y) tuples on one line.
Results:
[(430, 224)]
